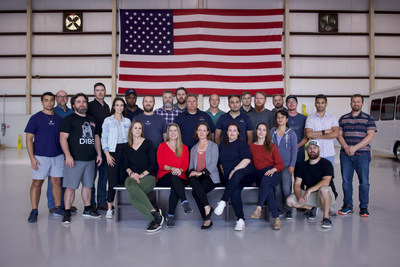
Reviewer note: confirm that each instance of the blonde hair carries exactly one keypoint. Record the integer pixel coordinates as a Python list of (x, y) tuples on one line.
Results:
[(179, 144)]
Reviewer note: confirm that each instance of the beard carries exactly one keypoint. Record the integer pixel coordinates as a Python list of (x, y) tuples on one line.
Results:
[(313, 155), (148, 109), (181, 101), (355, 108), (258, 109), (81, 111), (167, 105)]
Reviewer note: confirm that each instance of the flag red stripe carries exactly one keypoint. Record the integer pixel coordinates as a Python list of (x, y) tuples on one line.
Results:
[(228, 52), (205, 91), (228, 39), (200, 64), (227, 25), (200, 77), (229, 12)]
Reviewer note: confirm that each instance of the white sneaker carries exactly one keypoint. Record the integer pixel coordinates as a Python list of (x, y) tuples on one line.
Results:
[(220, 208), (109, 214), (239, 225)]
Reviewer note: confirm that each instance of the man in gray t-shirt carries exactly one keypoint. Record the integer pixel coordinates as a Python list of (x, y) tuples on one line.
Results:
[(260, 113)]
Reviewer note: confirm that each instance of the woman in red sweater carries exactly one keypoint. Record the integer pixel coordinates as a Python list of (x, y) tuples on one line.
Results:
[(268, 162), (173, 161)]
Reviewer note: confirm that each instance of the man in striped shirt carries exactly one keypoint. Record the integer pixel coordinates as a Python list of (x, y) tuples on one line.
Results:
[(167, 111), (356, 130)]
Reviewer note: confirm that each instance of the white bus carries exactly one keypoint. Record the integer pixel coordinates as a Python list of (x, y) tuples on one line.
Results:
[(385, 109)]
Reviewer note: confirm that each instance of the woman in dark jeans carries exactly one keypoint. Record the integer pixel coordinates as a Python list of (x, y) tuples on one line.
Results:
[(173, 162), (235, 156), (140, 166), (113, 138), (203, 174), (268, 162)]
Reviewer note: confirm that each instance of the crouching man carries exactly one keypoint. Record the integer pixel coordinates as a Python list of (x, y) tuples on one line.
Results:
[(316, 175)]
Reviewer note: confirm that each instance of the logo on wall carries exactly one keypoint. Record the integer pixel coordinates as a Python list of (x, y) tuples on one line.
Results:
[(72, 22)]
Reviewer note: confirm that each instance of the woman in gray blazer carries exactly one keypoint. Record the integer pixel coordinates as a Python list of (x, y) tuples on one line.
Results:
[(203, 171)]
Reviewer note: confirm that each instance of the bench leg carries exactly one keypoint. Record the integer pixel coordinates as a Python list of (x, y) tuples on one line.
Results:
[(116, 206), (266, 213)]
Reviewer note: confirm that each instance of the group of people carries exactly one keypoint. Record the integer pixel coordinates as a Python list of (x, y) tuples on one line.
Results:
[(179, 145)]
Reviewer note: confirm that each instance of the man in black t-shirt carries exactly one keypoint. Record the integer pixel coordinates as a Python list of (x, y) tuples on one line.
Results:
[(315, 174), (80, 142)]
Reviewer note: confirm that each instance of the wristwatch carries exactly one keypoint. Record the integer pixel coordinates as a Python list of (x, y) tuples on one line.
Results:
[(323, 132)]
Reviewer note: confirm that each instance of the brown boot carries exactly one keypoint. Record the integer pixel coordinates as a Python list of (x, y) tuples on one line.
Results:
[(256, 213), (277, 224)]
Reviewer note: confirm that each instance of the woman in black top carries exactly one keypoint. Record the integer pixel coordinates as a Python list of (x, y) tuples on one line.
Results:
[(235, 157), (140, 165)]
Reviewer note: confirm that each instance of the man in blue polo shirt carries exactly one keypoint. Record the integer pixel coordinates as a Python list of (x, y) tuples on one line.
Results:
[(234, 115), (356, 130), (189, 119)]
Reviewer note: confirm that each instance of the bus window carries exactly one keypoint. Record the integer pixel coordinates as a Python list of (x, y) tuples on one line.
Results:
[(375, 109), (387, 108), (398, 108)]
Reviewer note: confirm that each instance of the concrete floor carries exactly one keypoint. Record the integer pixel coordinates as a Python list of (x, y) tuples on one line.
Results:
[(353, 241)]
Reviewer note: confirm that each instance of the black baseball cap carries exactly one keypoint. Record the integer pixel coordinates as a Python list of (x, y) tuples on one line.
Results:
[(130, 91)]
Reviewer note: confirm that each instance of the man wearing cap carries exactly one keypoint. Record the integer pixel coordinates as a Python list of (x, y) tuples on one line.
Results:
[(316, 175), (99, 109), (297, 122), (132, 109), (168, 111), (324, 128)]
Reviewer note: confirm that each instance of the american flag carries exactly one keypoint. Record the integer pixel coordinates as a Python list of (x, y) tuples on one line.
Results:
[(204, 50)]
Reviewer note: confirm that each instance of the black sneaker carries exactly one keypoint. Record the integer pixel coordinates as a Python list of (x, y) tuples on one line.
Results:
[(153, 227), (158, 217), (313, 214), (326, 223), (289, 215), (364, 212), (33, 216), (67, 218), (91, 213), (170, 221), (186, 207)]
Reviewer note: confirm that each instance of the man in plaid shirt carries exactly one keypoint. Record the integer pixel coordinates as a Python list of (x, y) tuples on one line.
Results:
[(167, 111)]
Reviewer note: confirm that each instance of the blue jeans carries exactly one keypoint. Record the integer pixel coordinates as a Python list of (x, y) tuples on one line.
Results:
[(266, 191), (283, 190), (101, 185), (360, 164), (233, 189), (50, 198)]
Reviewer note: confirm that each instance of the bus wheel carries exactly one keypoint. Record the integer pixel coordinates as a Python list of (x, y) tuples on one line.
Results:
[(397, 151)]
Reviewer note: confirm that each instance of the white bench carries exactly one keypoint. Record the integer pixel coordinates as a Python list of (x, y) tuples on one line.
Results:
[(160, 196)]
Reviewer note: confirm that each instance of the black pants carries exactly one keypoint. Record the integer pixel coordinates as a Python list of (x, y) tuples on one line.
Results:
[(177, 190), (201, 186), (114, 173)]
